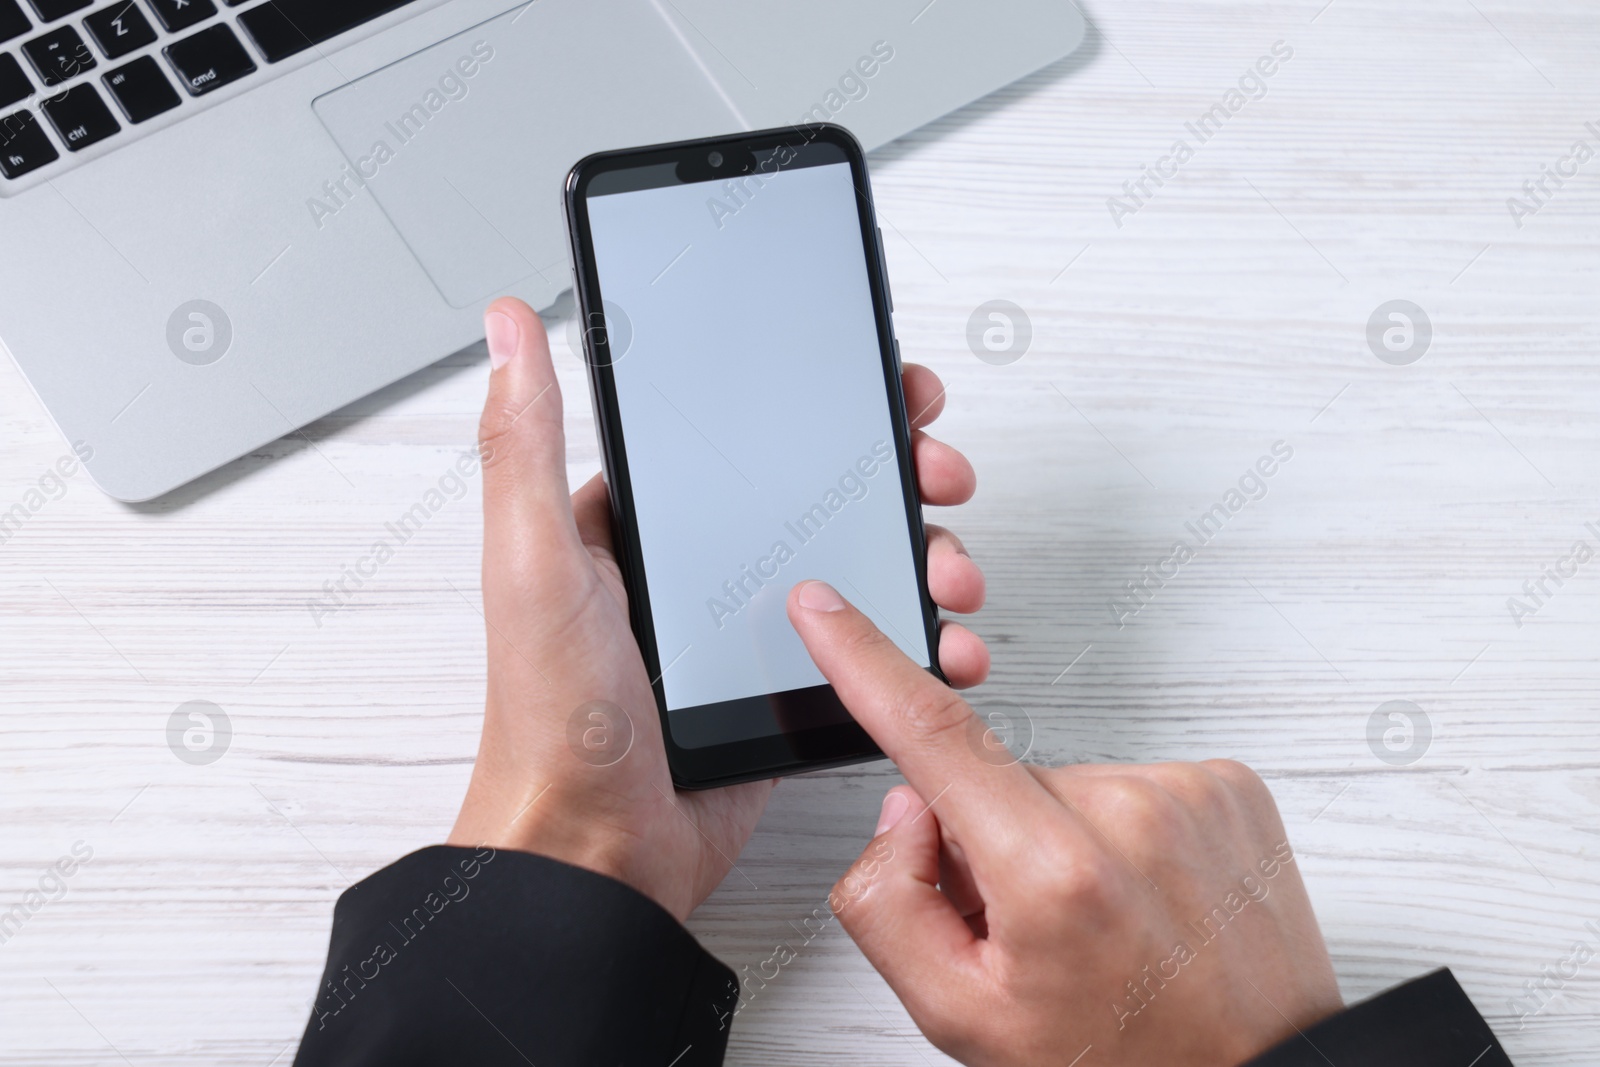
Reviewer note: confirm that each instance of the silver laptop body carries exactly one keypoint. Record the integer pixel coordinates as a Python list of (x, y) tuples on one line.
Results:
[(311, 215)]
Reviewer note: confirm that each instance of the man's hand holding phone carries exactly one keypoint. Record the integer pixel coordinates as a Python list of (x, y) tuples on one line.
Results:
[(560, 642)]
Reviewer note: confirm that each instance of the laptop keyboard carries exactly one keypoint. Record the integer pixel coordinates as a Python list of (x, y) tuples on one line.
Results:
[(73, 53)]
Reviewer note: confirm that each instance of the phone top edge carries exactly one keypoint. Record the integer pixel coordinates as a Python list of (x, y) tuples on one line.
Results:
[(586, 168)]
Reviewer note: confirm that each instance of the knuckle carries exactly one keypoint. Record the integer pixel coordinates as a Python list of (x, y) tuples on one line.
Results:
[(1236, 775), (866, 641), (495, 426), (841, 896), (855, 883), (930, 711), (845, 902), (1136, 802), (1250, 797), (1199, 790), (1139, 815), (1194, 785)]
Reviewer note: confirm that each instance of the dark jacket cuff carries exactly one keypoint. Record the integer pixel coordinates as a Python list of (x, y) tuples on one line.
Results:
[(456, 955), (1428, 1022)]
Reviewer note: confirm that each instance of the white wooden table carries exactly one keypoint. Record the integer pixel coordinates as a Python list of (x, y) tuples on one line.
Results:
[(1227, 313)]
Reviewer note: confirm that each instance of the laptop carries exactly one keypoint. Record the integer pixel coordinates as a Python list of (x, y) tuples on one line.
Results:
[(223, 219)]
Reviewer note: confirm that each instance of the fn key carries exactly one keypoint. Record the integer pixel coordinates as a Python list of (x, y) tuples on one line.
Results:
[(23, 145), (209, 60)]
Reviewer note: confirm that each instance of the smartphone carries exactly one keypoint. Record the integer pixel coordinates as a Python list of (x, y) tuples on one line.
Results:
[(748, 402)]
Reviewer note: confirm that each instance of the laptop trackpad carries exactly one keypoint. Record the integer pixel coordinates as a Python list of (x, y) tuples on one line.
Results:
[(466, 144)]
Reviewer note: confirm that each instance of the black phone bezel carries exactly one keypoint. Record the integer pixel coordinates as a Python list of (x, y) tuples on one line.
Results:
[(788, 752)]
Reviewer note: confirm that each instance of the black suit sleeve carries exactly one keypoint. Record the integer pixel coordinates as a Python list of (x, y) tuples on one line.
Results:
[(456, 955), (1428, 1022), (463, 956)]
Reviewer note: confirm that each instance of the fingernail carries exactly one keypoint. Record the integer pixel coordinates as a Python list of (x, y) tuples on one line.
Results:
[(895, 806), (820, 596), (503, 335)]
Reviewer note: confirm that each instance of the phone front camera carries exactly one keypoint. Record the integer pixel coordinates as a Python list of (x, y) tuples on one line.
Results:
[(715, 159)]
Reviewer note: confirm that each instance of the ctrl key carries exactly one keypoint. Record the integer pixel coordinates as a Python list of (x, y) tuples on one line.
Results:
[(80, 117), (23, 145)]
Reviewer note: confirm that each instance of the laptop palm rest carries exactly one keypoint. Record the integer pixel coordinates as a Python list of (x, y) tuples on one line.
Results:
[(465, 144)]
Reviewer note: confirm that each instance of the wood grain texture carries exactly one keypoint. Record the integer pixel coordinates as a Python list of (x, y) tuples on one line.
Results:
[(1226, 314)]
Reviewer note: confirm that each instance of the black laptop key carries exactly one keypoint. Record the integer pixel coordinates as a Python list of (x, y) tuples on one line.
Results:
[(209, 60), (178, 15), (80, 117), (59, 55), (120, 29), (57, 9), (13, 23), (141, 90), (14, 85), (23, 145), (280, 28)]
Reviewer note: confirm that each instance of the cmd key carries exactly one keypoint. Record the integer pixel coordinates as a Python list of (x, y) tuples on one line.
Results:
[(209, 60)]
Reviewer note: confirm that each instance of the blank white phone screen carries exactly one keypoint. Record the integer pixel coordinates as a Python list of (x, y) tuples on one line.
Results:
[(755, 422)]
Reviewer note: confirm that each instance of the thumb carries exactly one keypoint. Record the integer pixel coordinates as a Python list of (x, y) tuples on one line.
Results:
[(526, 510), (889, 903)]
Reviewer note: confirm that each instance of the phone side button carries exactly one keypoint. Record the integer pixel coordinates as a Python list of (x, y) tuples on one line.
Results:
[(883, 272), (898, 368)]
